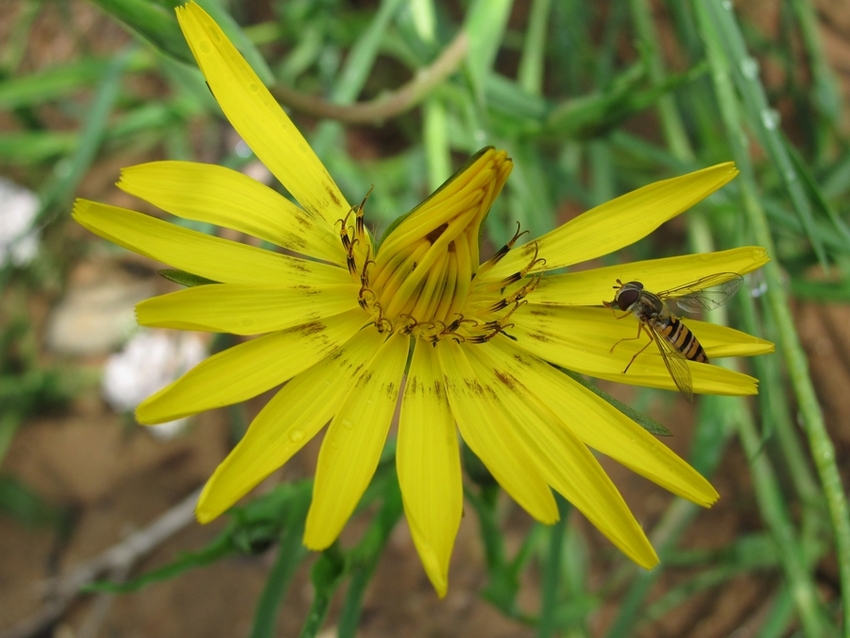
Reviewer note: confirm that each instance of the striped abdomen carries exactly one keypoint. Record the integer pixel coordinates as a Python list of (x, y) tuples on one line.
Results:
[(680, 337)]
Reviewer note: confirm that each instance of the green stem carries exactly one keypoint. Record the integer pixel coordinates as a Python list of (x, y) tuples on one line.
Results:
[(552, 573), (674, 129), (823, 452)]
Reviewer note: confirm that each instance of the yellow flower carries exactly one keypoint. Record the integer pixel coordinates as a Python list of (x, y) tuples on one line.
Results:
[(340, 322)]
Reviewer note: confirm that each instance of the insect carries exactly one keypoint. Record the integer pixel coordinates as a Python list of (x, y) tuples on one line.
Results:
[(676, 343)]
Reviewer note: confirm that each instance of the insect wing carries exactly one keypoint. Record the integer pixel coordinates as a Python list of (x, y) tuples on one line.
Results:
[(675, 362), (703, 294)]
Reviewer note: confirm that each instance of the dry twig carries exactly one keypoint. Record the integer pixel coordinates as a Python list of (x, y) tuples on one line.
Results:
[(118, 559), (386, 106)]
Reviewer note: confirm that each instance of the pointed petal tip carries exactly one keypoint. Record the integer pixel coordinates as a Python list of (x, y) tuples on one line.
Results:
[(650, 563), (80, 207), (314, 542), (204, 517)]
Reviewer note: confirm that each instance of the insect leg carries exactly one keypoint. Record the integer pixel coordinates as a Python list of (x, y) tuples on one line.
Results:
[(632, 360), (637, 336)]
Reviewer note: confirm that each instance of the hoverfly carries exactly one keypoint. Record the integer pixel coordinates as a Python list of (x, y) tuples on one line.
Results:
[(676, 343)]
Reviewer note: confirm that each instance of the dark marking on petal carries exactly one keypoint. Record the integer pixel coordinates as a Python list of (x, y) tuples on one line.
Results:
[(506, 379), (391, 390), (474, 386), (311, 328), (305, 221), (412, 385), (434, 235), (539, 336), (333, 196)]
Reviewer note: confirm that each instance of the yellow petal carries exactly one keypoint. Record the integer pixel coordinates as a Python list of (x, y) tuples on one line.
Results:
[(465, 197), (617, 223), (258, 118), (722, 341), (485, 430), (246, 309), (211, 257), (592, 287), (284, 426), (565, 462), (428, 461), (246, 370), (352, 446), (224, 197), (605, 428), (580, 339)]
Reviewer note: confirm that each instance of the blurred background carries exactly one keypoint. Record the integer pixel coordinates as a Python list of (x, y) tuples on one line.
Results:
[(591, 100)]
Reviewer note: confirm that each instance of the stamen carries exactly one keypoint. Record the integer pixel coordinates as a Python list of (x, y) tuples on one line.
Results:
[(511, 279), (358, 223), (500, 254)]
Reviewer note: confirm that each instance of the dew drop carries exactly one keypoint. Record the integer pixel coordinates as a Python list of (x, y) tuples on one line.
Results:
[(296, 435), (205, 46), (770, 119), (242, 149), (750, 68), (254, 87), (347, 423)]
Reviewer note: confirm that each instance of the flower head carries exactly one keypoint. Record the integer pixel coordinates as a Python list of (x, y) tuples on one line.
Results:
[(352, 328)]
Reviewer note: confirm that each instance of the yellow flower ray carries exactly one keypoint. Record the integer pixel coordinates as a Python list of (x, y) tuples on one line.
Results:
[(617, 223), (246, 309), (604, 428), (488, 435), (466, 188), (224, 197), (428, 463), (600, 328), (249, 369), (566, 463), (354, 440), (258, 118), (722, 341), (580, 339), (294, 416), (592, 287), (212, 257)]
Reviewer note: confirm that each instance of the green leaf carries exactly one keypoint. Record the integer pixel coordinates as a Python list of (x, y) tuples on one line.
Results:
[(21, 503), (152, 22), (184, 278), (650, 425)]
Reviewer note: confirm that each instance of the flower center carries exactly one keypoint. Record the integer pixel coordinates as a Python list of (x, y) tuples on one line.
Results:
[(425, 280)]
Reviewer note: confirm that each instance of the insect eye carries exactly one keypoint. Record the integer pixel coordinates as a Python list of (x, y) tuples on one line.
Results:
[(627, 297)]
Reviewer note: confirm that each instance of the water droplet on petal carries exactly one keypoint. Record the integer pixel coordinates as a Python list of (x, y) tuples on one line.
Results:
[(296, 435), (205, 46)]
